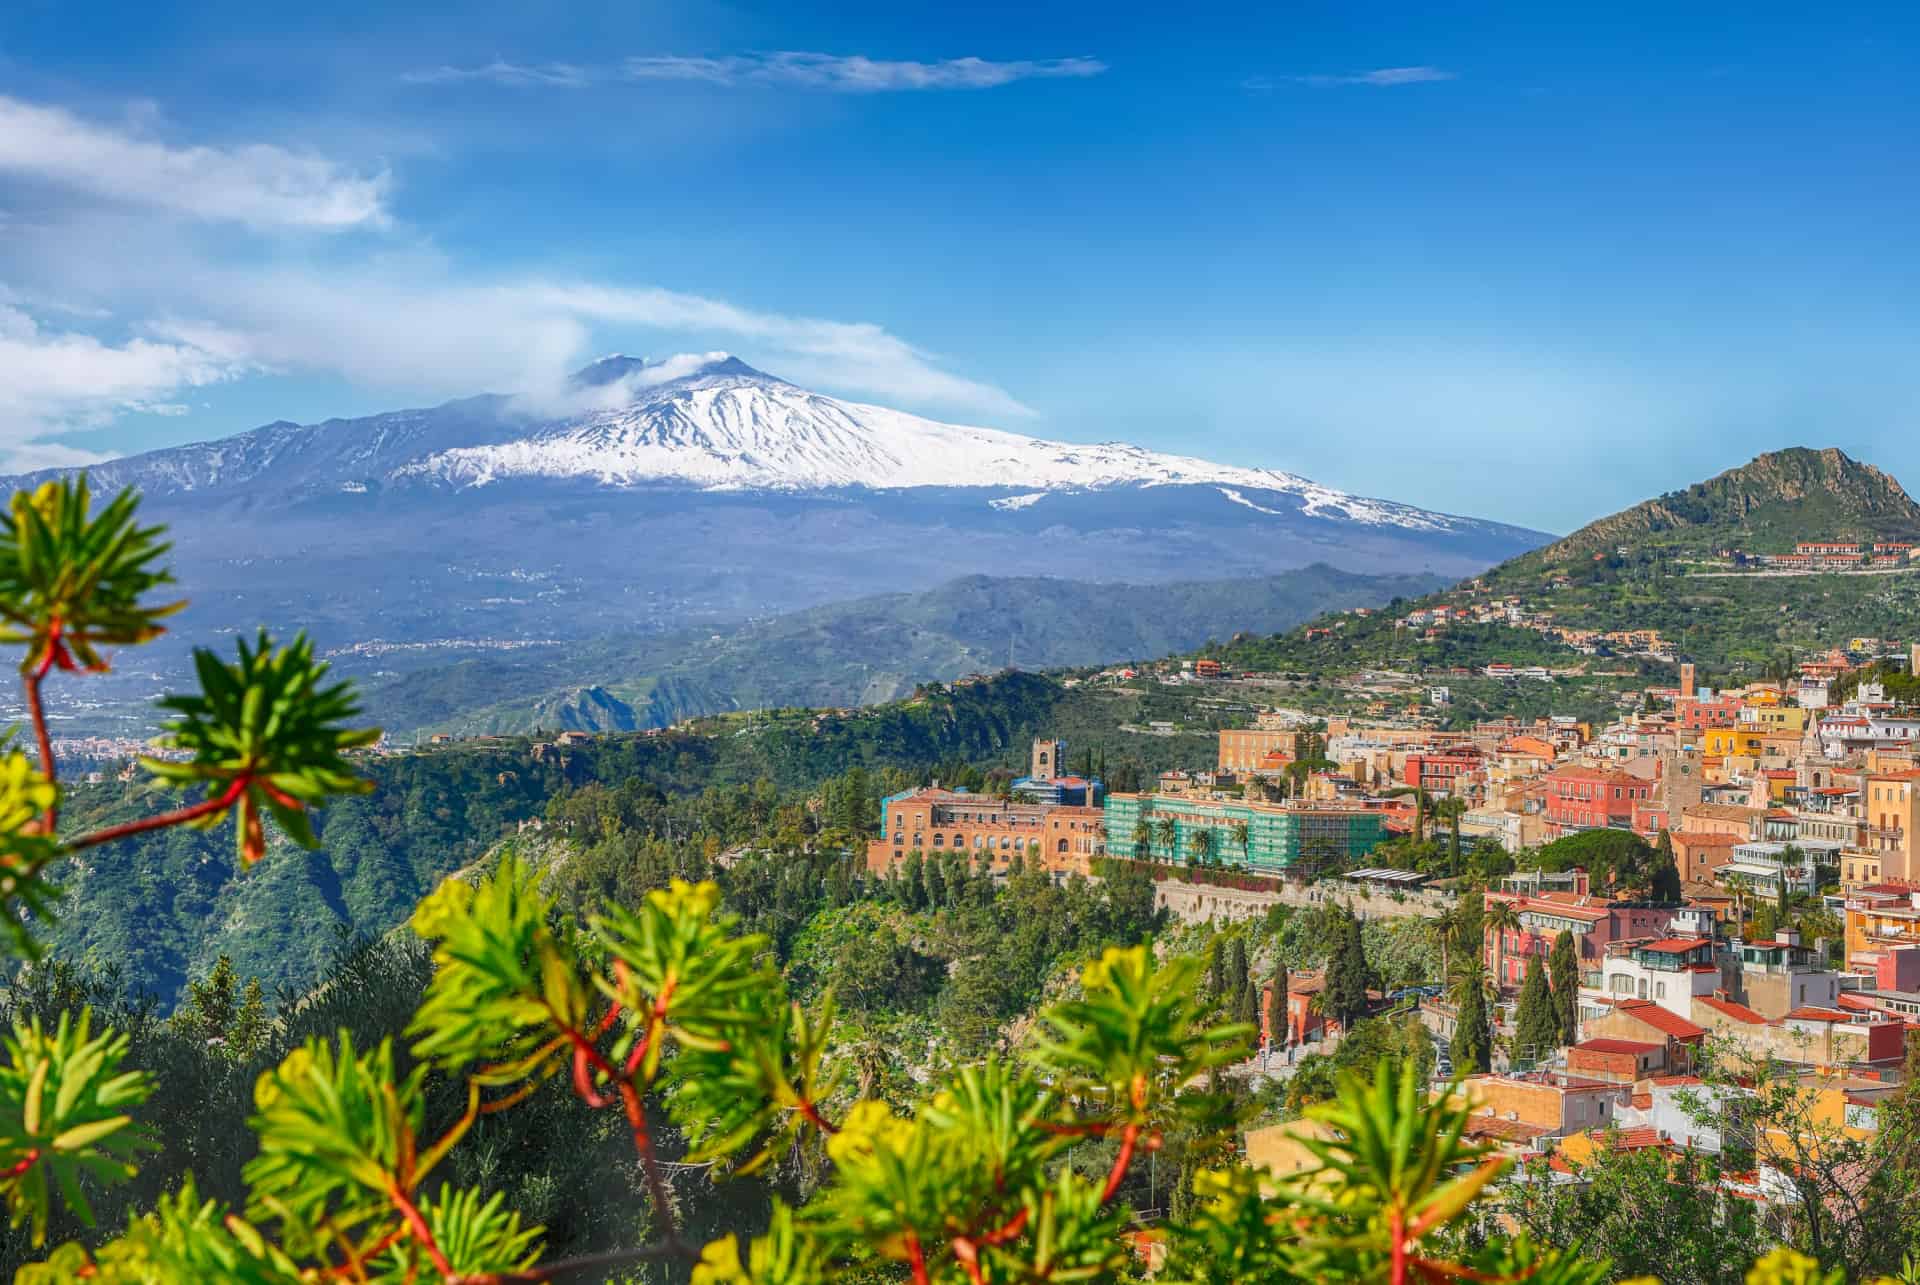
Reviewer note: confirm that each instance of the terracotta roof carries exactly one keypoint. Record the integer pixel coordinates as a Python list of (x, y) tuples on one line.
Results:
[(1643, 1101), (1727, 1008), (1817, 1015), (1664, 1019), (1677, 945), (1492, 1126), (1609, 1045), (1702, 839)]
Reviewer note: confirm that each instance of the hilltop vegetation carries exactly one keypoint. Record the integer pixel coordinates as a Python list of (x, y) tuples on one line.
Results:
[(1650, 567), (1765, 505)]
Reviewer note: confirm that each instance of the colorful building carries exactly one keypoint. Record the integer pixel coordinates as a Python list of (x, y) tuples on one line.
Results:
[(1263, 837), (1589, 798)]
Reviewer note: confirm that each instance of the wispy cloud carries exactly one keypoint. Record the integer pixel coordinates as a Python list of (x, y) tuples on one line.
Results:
[(257, 184), (1379, 78), (53, 380), (789, 69), (124, 303), (550, 75)]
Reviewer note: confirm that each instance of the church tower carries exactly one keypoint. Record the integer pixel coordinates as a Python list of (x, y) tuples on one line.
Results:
[(1046, 759)]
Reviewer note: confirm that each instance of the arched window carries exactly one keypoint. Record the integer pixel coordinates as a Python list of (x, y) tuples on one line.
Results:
[(939, 840), (1063, 845)]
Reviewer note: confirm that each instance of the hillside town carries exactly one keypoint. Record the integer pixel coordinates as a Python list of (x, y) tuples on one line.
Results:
[(1780, 926)]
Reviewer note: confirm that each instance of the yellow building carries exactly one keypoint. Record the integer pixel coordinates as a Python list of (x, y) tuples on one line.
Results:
[(1721, 742), (1776, 718)]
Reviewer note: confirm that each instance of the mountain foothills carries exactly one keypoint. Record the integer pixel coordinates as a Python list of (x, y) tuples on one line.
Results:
[(644, 499), (860, 652)]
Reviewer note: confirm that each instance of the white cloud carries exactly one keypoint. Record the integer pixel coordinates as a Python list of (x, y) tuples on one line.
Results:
[(551, 75), (1379, 78), (411, 326), (856, 74), (791, 69), (53, 380), (108, 310), (257, 184)]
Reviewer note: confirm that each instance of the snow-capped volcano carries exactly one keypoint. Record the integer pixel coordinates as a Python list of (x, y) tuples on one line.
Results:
[(718, 424), (646, 495)]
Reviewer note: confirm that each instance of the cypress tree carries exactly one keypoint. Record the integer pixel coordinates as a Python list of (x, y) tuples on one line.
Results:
[(1563, 971), (1277, 1002), (1217, 972), (1237, 969), (1247, 1007), (1537, 1026), (1347, 976), (913, 888), (1472, 1035), (1665, 884)]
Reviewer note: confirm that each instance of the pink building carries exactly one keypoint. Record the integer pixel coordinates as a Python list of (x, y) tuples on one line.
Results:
[(1595, 922)]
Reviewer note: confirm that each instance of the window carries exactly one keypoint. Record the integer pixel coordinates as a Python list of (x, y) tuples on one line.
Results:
[(939, 840)]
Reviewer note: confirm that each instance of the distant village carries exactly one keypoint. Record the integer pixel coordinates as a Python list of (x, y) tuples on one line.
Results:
[(1763, 793)]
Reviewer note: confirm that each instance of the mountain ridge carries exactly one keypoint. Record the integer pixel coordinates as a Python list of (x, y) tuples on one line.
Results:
[(1798, 492)]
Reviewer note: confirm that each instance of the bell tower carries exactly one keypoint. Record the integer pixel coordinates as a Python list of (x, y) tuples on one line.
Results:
[(1045, 764)]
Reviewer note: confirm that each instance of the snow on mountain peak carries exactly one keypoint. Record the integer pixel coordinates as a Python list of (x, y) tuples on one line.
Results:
[(711, 421)]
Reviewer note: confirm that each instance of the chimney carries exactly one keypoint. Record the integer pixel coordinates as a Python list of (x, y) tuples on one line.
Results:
[(1791, 936)]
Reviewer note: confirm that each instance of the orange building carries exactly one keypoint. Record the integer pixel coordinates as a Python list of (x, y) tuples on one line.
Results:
[(990, 831), (1243, 749)]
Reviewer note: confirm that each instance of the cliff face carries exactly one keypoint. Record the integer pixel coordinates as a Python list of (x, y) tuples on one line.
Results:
[(1778, 498)]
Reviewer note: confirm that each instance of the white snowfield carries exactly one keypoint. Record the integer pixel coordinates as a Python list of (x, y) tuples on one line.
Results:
[(737, 431)]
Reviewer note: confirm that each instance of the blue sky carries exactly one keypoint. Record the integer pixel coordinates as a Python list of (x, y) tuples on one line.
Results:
[(1531, 262)]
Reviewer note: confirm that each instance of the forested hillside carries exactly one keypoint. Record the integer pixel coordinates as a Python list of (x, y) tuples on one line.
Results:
[(162, 907)]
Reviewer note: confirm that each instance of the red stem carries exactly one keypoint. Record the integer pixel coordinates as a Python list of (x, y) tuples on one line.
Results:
[(25, 1163), (917, 1259), (41, 736), (1397, 1228), (161, 820), (421, 1232), (1128, 1136), (820, 1122)]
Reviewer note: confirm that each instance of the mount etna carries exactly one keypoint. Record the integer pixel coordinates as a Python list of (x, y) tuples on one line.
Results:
[(648, 499)]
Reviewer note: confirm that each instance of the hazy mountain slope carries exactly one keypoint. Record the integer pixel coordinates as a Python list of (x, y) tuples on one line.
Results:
[(867, 650)]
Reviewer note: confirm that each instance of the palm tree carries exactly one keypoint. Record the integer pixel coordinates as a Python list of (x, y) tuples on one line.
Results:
[(1200, 845), (1739, 887), (1166, 834), (1445, 929), (1142, 837), (1241, 834), (1450, 810), (1500, 918)]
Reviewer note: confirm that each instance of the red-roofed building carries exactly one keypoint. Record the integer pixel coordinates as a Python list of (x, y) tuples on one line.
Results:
[(1724, 1010), (1615, 1060), (1594, 922)]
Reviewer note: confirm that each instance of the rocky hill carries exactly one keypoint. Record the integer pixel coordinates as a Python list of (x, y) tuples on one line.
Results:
[(1764, 506)]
